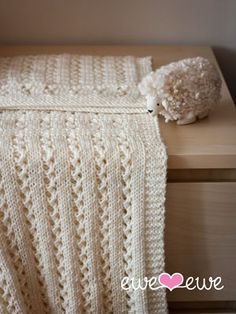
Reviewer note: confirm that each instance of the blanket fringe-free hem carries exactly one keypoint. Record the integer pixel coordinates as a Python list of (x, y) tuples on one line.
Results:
[(82, 206)]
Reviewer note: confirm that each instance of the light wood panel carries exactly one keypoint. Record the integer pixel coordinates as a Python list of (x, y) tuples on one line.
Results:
[(202, 307), (210, 143), (193, 311), (201, 175), (201, 237)]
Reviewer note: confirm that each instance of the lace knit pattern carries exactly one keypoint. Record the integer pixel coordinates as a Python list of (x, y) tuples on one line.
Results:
[(81, 206), (73, 82)]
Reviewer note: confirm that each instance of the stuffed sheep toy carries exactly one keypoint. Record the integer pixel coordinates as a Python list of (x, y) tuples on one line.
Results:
[(182, 91)]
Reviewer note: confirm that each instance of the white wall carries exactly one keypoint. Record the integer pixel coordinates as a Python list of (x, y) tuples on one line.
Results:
[(124, 21)]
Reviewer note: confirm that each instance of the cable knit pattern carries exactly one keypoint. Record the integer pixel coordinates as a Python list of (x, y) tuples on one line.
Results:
[(81, 193)]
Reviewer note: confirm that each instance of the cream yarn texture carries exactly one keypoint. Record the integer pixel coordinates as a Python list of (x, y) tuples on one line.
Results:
[(82, 191), (73, 82)]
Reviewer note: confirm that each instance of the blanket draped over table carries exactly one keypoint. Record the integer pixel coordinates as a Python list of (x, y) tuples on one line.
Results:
[(82, 186)]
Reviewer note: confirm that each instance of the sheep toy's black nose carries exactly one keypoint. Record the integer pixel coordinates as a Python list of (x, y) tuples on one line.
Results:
[(150, 110)]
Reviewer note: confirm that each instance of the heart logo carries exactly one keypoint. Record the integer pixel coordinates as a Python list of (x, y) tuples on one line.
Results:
[(171, 281)]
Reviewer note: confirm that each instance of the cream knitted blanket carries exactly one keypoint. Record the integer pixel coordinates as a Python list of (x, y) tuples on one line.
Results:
[(82, 186)]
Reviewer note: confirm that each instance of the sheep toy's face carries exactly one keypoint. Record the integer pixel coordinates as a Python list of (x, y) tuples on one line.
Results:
[(148, 88), (152, 105)]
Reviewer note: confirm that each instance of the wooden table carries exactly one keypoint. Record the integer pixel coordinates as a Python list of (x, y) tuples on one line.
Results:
[(201, 191)]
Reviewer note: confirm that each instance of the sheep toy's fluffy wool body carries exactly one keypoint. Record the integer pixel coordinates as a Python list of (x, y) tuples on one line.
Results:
[(185, 90)]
